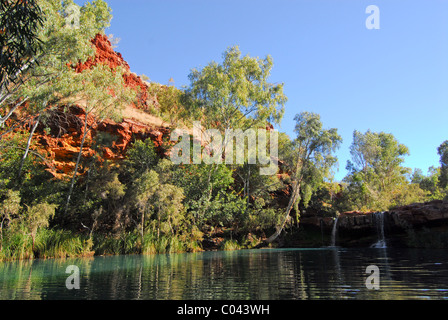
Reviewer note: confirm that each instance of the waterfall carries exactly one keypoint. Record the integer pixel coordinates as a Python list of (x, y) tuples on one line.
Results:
[(379, 222), (333, 232)]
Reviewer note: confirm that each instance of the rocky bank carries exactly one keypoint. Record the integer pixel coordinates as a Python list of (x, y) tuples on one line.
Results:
[(361, 228)]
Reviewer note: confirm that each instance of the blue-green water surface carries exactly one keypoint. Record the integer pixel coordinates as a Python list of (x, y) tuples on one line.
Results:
[(267, 274)]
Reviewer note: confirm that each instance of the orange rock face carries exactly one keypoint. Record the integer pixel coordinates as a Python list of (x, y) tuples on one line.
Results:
[(105, 54), (62, 144)]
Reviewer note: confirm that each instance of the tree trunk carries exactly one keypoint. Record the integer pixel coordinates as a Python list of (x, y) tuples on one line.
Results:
[(11, 111), (292, 200), (28, 144), (87, 184), (33, 237), (72, 184), (248, 185), (1, 235), (142, 231), (158, 229)]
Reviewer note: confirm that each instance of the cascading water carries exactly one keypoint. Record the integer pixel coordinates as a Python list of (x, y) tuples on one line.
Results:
[(379, 222), (334, 231)]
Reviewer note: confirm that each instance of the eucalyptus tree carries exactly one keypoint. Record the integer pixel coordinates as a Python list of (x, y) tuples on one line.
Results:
[(37, 217), (430, 182), (158, 202), (9, 208), (103, 94), (311, 161), (442, 150), (376, 171), (235, 94)]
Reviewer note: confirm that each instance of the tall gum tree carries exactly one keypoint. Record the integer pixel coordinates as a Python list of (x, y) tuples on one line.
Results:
[(103, 95), (311, 157), (235, 94), (376, 172)]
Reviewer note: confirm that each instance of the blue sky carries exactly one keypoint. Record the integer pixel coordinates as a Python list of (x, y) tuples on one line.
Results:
[(394, 79)]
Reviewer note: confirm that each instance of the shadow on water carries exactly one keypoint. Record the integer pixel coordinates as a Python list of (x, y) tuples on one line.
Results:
[(277, 274)]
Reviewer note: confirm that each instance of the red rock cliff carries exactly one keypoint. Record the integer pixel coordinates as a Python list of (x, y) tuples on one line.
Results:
[(105, 54)]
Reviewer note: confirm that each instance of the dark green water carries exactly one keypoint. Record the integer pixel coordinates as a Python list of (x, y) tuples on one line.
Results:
[(331, 273)]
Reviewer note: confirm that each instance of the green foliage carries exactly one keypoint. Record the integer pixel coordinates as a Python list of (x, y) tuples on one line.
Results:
[(442, 151), (377, 180), (205, 204), (313, 158), (61, 244), (225, 210), (171, 104), (19, 25), (37, 217), (230, 245), (194, 179), (236, 93), (126, 243), (141, 157), (130, 243), (146, 204), (261, 217), (430, 183), (159, 204), (327, 200), (50, 81), (49, 243), (95, 16)]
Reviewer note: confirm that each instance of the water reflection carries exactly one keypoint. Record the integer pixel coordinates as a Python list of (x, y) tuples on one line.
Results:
[(330, 273)]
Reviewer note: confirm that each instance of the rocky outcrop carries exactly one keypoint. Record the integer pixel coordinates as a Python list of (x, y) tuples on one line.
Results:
[(433, 213), (61, 137), (63, 141), (105, 54), (357, 228)]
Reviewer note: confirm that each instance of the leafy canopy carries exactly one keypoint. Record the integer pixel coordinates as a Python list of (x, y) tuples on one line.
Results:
[(236, 93)]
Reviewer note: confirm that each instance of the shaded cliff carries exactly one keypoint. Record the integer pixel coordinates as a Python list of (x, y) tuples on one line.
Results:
[(399, 225)]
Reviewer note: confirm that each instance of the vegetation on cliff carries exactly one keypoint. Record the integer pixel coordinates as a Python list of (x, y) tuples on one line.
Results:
[(84, 166)]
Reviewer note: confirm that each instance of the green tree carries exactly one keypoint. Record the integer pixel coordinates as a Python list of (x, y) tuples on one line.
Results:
[(442, 150), (146, 187), (37, 217), (169, 208), (376, 174), (313, 148), (104, 95), (194, 180), (170, 103), (429, 183), (9, 208), (236, 93), (140, 158), (19, 40), (158, 202)]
